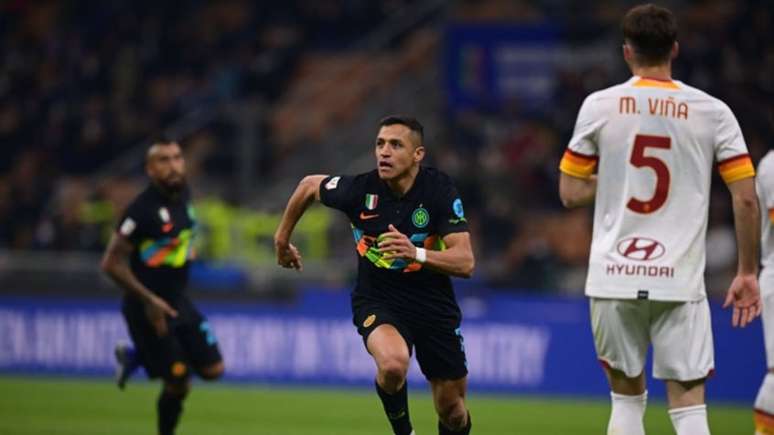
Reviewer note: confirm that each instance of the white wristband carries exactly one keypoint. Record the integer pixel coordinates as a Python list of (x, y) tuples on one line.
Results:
[(421, 256)]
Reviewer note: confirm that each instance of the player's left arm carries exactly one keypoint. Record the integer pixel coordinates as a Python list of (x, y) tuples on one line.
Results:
[(736, 169), (456, 260), (744, 292), (576, 191)]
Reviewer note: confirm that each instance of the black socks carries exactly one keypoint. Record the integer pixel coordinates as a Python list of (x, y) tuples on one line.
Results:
[(443, 430), (169, 407), (396, 408)]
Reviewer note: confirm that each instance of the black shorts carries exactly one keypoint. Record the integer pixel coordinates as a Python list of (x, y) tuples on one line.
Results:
[(440, 348), (189, 347)]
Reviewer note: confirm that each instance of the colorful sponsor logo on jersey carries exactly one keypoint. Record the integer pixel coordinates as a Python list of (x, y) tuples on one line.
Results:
[(640, 249), (371, 201), (369, 321), (367, 248), (168, 251), (420, 218)]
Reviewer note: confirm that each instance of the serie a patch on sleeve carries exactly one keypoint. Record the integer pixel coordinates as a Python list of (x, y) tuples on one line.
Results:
[(577, 164), (127, 227), (736, 168)]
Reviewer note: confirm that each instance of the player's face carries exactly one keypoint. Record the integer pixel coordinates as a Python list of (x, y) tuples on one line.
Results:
[(397, 151), (166, 166)]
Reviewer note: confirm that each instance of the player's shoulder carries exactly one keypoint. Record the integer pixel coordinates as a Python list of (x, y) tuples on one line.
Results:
[(352, 182), (603, 101), (610, 92), (695, 94), (694, 91), (365, 179), (144, 200), (436, 177)]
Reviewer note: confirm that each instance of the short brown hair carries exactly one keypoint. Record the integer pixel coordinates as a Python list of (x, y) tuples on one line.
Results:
[(651, 31), (411, 123)]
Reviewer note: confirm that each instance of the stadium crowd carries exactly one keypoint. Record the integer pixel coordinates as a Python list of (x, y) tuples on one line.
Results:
[(80, 84)]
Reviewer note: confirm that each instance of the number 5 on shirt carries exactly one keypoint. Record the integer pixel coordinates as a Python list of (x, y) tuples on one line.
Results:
[(640, 160)]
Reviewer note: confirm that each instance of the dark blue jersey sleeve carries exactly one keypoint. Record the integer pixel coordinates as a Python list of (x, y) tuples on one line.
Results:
[(338, 191), (133, 223), (450, 210)]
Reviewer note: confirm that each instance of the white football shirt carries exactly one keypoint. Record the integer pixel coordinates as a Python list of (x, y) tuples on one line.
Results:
[(654, 143), (765, 188)]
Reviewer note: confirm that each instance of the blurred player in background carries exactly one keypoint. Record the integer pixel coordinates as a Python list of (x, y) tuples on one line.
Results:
[(655, 140), (764, 403), (411, 234), (148, 256)]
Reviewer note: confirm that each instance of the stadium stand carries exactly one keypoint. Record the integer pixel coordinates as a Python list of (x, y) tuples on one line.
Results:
[(297, 88)]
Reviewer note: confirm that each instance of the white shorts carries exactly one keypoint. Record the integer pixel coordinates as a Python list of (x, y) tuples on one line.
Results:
[(681, 334), (767, 295)]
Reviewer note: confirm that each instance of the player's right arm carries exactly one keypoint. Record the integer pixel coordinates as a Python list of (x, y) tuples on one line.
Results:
[(744, 293), (308, 191), (115, 263), (575, 191), (577, 182)]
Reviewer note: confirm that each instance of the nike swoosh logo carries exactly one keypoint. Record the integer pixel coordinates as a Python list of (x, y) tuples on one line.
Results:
[(365, 217)]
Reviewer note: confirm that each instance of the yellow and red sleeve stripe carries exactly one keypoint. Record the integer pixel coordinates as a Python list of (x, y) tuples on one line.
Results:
[(771, 215), (764, 422), (577, 164), (736, 168)]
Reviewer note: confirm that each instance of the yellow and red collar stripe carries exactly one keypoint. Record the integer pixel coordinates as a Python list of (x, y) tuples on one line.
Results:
[(577, 164), (736, 168), (647, 82)]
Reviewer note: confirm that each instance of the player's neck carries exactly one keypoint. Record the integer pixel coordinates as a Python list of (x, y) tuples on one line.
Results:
[(401, 185), (658, 72), (168, 193)]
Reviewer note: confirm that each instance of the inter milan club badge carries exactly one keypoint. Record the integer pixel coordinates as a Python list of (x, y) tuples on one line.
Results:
[(420, 217), (371, 201)]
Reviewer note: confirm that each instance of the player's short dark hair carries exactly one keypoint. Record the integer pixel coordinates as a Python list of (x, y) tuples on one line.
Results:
[(160, 139), (412, 123), (651, 31)]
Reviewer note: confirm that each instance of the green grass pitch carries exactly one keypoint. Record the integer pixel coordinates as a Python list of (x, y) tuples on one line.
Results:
[(44, 406)]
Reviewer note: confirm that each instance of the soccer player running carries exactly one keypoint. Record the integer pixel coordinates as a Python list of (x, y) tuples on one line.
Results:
[(764, 403), (148, 256), (655, 139), (411, 235)]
